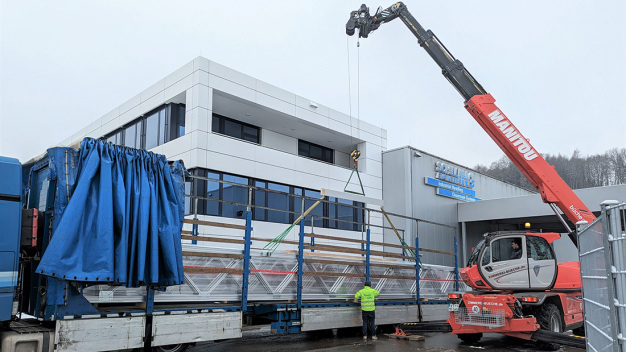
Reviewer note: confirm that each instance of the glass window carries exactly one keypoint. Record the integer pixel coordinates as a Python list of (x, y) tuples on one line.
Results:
[(538, 248), (332, 212), (212, 207), (234, 128), (314, 151), (250, 133), (345, 213), (152, 131), (260, 200), (317, 212), (278, 201), (502, 249), (162, 127), (360, 216), (130, 136), (176, 121), (487, 256), (235, 194), (296, 201)]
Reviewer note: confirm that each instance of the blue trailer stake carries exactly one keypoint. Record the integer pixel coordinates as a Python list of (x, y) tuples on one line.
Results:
[(417, 270), (246, 261), (300, 265), (367, 256)]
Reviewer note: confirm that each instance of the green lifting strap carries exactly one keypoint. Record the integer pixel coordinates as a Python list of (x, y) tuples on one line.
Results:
[(273, 244), (355, 156)]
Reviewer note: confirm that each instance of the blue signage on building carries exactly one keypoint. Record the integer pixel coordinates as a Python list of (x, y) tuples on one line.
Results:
[(449, 186), (455, 195), (453, 182)]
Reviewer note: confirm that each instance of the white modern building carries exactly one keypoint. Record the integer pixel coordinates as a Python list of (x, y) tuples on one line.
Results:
[(231, 127)]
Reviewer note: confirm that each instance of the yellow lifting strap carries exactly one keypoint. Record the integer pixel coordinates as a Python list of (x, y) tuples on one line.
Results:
[(402, 242), (355, 156)]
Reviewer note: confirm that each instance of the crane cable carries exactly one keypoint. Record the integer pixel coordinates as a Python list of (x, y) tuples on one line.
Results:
[(355, 154)]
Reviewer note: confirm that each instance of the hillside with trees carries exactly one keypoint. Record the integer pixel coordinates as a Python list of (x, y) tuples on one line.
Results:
[(577, 171)]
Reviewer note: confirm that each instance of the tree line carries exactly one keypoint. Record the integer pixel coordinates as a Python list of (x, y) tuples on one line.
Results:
[(577, 171)]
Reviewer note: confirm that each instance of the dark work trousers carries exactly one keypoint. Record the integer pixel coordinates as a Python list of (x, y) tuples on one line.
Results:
[(368, 322)]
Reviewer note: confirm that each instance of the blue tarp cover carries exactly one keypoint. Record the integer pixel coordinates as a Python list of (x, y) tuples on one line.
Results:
[(118, 216)]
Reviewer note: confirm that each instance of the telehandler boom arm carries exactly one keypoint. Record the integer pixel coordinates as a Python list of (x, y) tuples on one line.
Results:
[(481, 105)]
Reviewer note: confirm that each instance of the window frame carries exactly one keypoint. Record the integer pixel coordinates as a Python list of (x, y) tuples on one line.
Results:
[(218, 125), (323, 150)]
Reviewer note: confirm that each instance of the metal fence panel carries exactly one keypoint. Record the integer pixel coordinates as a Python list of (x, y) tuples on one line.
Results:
[(601, 250)]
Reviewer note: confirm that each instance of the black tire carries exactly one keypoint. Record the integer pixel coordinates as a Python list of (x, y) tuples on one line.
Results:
[(470, 338), (579, 331), (549, 318), (172, 348)]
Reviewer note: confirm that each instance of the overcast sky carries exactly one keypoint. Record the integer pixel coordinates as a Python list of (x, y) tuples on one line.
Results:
[(557, 69)]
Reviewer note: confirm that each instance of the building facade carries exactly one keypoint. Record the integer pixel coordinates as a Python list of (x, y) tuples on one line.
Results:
[(249, 143)]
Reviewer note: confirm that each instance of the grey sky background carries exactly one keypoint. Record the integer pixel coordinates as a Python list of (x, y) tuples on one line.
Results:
[(556, 68)]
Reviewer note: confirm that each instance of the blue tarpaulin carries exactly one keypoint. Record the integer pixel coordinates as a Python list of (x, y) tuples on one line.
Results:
[(118, 216)]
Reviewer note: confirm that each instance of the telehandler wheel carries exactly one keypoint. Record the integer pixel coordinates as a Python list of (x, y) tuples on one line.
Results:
[(470, 338), (549, 318)]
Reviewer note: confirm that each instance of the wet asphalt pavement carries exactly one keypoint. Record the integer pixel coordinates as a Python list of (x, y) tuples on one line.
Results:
[(350, 340)]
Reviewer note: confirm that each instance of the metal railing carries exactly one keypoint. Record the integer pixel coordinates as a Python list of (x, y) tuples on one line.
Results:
[(602, 254), (224, 260)]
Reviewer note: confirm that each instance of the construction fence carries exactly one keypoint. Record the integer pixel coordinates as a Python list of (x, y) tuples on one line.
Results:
[(602, 253)]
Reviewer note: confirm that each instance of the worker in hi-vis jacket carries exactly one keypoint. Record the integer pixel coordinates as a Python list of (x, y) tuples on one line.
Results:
[(367, 295)]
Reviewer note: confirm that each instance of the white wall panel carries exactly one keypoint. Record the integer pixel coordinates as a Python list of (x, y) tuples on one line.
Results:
[(178, 146), (110, 115), (152, 90), (339, 116), (304, 103), (233, 76), (178, 87), (232, 88), (311, 117), (273, 91), (201, 63), (130, 103), (339, 127), (179, 74), (151, 103), (275, 103), (274, 140)]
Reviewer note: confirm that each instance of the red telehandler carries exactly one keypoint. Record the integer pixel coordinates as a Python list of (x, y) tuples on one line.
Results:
[(518, 288)]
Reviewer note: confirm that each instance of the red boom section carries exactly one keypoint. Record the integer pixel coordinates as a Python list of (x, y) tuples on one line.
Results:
[(519, 150)]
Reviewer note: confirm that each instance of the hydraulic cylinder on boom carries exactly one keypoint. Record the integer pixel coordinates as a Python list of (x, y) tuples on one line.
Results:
[(481, 105)]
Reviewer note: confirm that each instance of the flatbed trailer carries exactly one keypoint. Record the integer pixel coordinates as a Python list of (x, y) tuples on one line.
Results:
[(230, 281)]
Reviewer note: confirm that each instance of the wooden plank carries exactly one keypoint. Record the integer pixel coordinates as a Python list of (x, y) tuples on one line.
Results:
[(213, 255), (334, 238), (216, 224), (212, 239), (435, 251), (283, 241)]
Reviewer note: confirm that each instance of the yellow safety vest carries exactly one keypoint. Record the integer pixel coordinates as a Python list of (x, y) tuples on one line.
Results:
[(367, 295)]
